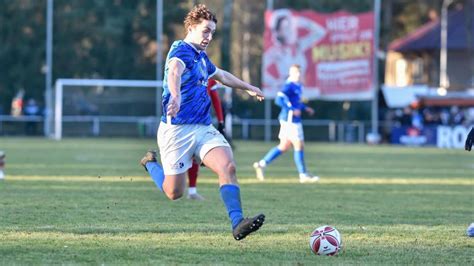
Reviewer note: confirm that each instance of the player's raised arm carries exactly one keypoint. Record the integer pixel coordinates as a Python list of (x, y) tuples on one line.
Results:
[(232, 81)]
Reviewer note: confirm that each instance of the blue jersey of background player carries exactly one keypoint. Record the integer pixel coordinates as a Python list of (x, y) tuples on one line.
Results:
[(195, 101), (289, 99), (291, 129)]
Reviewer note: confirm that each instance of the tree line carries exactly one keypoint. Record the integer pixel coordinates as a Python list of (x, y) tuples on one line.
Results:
[(116, 39)]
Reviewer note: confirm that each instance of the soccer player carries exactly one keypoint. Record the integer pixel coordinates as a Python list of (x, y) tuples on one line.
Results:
[(194, 170), (469, 140), (291, 129), (186, 132), (468, 147)]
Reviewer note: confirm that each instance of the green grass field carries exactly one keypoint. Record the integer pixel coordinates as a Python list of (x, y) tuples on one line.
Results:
[(88, 201)]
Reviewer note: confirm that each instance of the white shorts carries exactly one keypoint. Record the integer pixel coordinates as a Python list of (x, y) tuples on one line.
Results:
[(179, 144), (291, 131)]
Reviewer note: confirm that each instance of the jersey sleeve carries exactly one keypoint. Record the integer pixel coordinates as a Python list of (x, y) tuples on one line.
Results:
[(282, 98), (182, 55)]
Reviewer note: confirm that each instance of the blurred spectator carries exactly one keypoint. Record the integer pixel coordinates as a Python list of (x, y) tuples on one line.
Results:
[(444, 117), (31, 109), (469, 116), (430, 117), (405, 119), (416, 119), (17, 103), (456, 116)]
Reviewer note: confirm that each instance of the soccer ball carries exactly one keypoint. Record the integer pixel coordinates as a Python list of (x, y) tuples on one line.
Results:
[(325, 240)]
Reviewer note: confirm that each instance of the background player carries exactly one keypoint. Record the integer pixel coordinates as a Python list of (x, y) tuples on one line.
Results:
[(186, 132), (469, 140), (291, 129), (468, 147)]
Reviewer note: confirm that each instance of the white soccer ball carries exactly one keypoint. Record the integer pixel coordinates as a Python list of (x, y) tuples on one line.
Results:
[(325, 240)]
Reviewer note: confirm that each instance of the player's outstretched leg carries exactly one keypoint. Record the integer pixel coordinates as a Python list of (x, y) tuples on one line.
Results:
[(268, 158), (153, 168), (220, 160), (241, 227)]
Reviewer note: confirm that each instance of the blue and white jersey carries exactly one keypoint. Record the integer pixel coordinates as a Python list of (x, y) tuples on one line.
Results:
[(289, 99), (195, 102)]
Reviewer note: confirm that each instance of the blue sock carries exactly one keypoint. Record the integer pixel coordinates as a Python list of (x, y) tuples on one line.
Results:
[(230, 195), (272, 155), (156, 173), (299, 161)]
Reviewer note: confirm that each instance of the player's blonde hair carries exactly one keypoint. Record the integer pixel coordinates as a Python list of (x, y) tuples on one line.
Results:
[(197, 15)]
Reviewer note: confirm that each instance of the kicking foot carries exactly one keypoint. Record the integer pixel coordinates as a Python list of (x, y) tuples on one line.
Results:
[(259, 171), (248, 226), (195, 196), (308, 178), (150, 156)]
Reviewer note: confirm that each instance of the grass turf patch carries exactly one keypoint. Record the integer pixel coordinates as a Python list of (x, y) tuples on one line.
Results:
[(88, 201)]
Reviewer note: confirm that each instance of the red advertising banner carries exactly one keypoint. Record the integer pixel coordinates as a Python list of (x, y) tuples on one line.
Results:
[(335, 52)]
